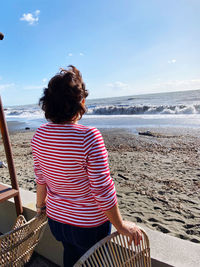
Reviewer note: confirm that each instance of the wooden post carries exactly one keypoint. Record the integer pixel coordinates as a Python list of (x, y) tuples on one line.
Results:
[(8, 151)]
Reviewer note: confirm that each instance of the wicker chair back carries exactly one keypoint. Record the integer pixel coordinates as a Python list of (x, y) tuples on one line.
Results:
[(16, 246), (113, 251)]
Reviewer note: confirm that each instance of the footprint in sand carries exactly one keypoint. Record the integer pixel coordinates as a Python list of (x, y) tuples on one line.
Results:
[(195, 240), (190, 232), (189, 226), (160, 228), (139, 220), (175, 220), (178, 212), (153, 198), (156, 208), (152, 220)]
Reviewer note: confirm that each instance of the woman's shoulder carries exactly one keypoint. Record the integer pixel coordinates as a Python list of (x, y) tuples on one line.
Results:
[(41, 130), (91, 130), (92, 134), (41, 127)]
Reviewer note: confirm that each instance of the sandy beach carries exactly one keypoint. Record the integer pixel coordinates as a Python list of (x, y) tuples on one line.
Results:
[(157, 177)]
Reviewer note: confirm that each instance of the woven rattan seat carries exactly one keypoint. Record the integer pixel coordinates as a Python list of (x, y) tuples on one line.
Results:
[(16, 246), (113, 251)]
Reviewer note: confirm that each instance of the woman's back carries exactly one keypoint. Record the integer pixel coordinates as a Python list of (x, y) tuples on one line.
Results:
[(71, 160)]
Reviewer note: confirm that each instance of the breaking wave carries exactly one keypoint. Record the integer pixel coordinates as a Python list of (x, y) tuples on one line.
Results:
[(23, 113), (143, 109), (112, 110)]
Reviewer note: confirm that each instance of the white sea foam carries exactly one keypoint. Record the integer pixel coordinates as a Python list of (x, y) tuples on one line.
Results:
[(23, 113), (143, 109), (113, 110)]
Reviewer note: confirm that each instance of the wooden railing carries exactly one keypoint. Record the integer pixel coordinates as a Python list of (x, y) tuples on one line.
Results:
[(7, 192)]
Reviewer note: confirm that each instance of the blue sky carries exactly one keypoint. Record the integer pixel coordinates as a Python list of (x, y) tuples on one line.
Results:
[(122, 47)]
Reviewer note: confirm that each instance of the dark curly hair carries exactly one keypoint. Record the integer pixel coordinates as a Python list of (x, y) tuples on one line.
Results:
[(62, 99)]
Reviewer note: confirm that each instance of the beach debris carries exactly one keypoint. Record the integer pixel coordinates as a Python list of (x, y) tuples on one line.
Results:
[(122, 176), (148, 133), (3, 164), (158, 135)]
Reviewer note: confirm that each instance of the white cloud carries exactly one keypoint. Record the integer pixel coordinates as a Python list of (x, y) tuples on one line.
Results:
[(44, 80), (178, 85), (171, 61), (70, 55), (81, 54), (6, 86), (37, 12), (118, 85), (31, 18), (1, 78)]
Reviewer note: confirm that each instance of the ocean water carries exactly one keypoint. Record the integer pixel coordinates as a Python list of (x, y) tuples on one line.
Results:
[(176, 109)]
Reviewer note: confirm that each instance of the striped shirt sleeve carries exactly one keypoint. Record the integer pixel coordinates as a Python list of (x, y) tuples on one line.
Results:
[(37, 170), (101, 183)]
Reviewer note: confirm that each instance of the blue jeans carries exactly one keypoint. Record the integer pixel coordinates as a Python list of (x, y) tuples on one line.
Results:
[(77, 240)]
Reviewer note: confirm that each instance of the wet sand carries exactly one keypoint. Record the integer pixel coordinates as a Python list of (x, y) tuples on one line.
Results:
[(157, 177)]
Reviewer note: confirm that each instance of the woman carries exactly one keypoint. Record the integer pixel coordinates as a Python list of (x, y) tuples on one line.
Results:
[(72, 173)]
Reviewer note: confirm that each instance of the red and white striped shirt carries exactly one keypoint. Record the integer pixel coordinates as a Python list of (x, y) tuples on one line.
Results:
[(72, 161)]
